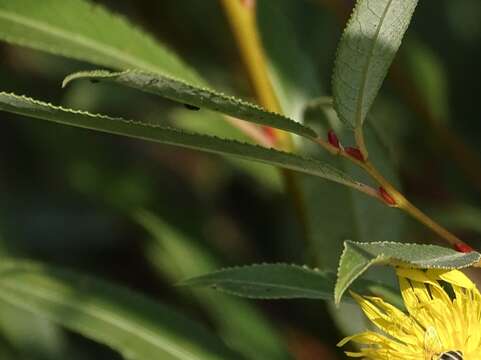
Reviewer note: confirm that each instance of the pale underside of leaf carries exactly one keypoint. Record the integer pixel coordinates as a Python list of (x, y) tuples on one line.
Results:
[(367, 48), (44, 111), (358, 257), (183, 92), (86, 31), (133, 325)]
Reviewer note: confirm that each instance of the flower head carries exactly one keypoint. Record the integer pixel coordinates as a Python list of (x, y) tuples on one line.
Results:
[(442, 322)]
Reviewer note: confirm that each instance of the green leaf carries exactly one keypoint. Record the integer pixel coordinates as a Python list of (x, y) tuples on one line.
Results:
[(274, 281), (133, 325), (367, 49), (86, 31), (30, 334), (358, 257), (40, 110), (239, 322), (203, 122), (185, 93), (268, 281), (357, 217)]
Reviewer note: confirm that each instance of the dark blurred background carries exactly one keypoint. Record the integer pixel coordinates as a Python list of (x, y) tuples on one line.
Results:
[(71, 197)]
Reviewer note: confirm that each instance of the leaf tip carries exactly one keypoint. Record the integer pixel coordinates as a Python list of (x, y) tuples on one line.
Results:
[(66, 81)]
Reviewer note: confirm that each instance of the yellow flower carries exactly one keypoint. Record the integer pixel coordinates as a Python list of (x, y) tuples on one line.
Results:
[(443, 319)]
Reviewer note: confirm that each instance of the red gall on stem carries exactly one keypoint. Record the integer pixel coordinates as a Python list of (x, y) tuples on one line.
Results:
[(462, 247), (333, 139), (386, 197), (355, 153)]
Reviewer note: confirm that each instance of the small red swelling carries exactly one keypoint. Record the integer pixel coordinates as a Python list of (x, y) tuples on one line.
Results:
[(355, 153), (386, 197), (464, 248), (333, 139)]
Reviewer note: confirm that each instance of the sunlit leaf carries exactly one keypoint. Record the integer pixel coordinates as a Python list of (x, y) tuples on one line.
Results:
[(367, 49), (358, 257), (196, 97), (40, 110), (87, 31)]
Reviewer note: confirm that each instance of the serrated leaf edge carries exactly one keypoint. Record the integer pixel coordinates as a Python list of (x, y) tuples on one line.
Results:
[(335, 174), (301, 129), (339, 292), (358, 121), (259, 265), (418, 245)]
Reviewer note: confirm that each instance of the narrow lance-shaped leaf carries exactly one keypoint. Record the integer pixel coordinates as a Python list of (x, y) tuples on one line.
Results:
[(358, 257), (133, 325), (185, 93), (269, 281), (40, 110), (276, 281), (86, 31), (367, 49)]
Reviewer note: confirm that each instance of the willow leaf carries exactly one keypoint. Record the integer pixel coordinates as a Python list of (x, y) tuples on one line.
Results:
[(185, 93), (277, 281), (367, 49), (40, 110), (358, 257), (86, 31), (138, 328)]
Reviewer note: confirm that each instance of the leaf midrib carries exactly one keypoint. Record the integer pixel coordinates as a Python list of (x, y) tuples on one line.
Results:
[(267, 284), (367, 66), (80, 40), (111, 318)]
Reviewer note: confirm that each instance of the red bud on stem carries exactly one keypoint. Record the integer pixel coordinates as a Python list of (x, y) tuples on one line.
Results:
[(355, 153), (386, 196), (333, 139), (464, 248)]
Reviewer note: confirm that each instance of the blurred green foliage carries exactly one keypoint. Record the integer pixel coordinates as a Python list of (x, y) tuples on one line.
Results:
[(68, 196)]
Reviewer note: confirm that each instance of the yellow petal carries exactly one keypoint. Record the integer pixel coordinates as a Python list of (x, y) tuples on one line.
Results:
[(454, 277), (436, 321), (413, 274), (355, 355), (410, 299), (370, 338)]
